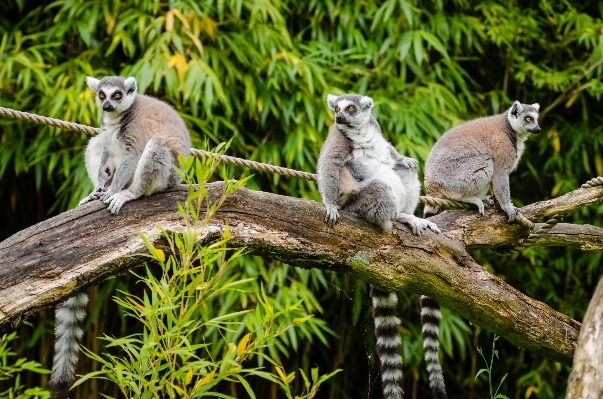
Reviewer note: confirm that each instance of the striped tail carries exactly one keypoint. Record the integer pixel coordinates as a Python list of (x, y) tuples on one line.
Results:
[(430, 320), (68, 331), (388, 342)]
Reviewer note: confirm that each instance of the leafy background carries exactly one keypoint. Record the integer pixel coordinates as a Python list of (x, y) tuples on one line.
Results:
[(258, 71)]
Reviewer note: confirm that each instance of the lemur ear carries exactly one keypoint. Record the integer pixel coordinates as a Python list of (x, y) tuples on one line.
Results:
[(332, 101), (516, 108), (536, 106), (130, 85), (92, 83), (366, 102)]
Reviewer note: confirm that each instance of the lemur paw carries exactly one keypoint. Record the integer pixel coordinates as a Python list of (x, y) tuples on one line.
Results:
[(488, 201), (417, 225), (332, 215), (432, 226), (480, 208), (94, 195), (117, 200), (105, 195), (512, 213), (89, 198), (409, 163)]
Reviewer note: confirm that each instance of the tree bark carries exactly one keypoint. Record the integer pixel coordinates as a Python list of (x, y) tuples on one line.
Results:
[(586, 378), (52, 260)]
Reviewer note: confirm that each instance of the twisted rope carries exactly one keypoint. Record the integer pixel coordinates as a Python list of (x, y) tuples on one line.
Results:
[(447, 203), (597, 181), (254, 165), (536, 236), (43, 120)]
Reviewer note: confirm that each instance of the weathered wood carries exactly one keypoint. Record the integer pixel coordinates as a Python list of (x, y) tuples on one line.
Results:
[(51, 260), (586, 378)]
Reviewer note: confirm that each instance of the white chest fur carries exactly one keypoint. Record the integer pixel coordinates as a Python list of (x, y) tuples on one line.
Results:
[(521, 144), (110, 130)]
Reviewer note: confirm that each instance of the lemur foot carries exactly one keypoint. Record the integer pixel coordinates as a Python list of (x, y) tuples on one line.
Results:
[(332, 215), (512, 213), (417, 225), (117, 200), (488, 200)]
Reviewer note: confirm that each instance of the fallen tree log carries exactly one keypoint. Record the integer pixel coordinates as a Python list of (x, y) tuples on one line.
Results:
[(48, 262)]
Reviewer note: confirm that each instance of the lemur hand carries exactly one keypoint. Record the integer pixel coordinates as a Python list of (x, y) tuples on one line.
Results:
[(105, 195), (332, 214), (408, 163), (94, 195)]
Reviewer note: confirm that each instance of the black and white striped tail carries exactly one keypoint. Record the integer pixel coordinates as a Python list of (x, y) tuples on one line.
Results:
[(388, 342), (430, 320), (68, 331)]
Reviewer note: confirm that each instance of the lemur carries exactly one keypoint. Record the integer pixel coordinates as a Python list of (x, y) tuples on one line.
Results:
[(360, 172), (139, 144), (475, 156), (464, 164), (135, 154)]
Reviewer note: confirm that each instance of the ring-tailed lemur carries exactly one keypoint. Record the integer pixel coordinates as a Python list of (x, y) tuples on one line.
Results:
[(359, 171), (478, 155), (139, 144), (135, 154), (463, 164)]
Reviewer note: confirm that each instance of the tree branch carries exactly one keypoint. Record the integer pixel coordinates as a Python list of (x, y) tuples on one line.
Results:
[(48, 262), (586, 378)]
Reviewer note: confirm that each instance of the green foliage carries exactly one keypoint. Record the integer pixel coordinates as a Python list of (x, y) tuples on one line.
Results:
[(257, 73), (190, 342), (488, 370), (11, 370)]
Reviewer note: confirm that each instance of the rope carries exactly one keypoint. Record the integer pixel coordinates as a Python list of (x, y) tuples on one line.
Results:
[(597, 181), (447, 203), (535, 236), (43, 120), (255, 165)]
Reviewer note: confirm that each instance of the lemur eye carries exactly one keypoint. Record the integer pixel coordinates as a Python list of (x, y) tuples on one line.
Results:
[(337, 109), (102, 96), (117, 96), (351, 108), (528, 119)]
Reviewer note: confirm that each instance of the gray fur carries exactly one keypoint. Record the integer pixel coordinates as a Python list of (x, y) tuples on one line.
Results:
[(140, 140), (359, 171), (472, 158)]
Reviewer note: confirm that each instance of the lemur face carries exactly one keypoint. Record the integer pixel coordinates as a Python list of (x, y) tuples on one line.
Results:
[(524, 118), (113, 94), (351, 110)]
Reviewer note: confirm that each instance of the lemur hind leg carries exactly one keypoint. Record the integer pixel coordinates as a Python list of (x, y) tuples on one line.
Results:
[(154, 173), (375, 203)]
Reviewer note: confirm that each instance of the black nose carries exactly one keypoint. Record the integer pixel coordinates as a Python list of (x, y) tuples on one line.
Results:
[(339, 119), (108, 107)]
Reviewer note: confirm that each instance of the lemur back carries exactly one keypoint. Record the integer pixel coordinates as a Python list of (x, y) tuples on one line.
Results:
[(360, 172)]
